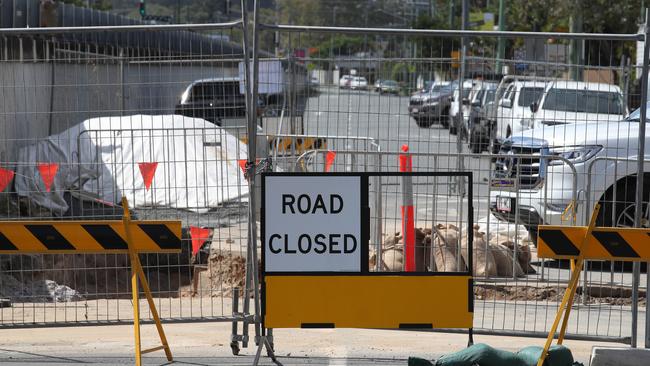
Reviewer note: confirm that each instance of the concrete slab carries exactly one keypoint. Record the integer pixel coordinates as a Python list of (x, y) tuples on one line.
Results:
[(619, 356)]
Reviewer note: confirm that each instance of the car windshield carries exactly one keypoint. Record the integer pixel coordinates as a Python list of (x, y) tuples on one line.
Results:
[(586, 101), (438, 87), (489, 95), (529, 96), (636, 115), (216, 90), (390, 83), (479, 95)]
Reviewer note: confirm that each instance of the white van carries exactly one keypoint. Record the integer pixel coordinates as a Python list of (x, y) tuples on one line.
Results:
[(458, 102), (569, 102), (514, 113)]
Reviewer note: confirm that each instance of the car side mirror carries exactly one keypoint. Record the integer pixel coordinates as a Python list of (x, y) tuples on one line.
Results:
[(534, 107), (476, 103), (505, 103), (465, 101)]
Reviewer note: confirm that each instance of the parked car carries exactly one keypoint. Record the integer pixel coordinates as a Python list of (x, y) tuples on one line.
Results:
[(543, 193), (514, 113), (478, 130), (459, 103), (345, 81), (358, 83), (565, 102), (376, 85), (314, 83), (431, 105), (213, 100), (388, 87)]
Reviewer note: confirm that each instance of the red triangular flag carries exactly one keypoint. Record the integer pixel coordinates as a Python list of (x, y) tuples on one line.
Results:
[(242, 165), (6, 176), (329, 160), (148, 170), (48, 172), (199, 236)]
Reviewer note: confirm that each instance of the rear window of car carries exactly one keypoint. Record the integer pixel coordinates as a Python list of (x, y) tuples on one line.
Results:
[(529, 95), (216, 90), (586, 101)]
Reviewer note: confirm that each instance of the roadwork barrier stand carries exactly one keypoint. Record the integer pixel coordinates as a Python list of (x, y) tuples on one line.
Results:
[(105, 237), (315, 230), (137, 272), (559, 242)]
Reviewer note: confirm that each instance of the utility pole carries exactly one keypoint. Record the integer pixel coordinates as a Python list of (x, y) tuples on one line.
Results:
[(452, 10), (576, 49), (501, 47)]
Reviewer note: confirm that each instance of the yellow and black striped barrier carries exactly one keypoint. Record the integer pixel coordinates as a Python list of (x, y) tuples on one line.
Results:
[(566, 242), (289, 145), (108, 237), (78, 237)]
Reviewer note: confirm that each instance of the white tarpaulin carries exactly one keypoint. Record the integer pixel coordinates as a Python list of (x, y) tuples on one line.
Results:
[(100, 158)]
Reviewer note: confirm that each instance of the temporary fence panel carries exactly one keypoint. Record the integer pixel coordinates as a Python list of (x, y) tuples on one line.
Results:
[(153, 113), (527, 127), (545, 145)]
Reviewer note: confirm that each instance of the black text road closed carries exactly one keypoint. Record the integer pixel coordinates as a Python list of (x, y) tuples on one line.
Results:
[(312, 223)]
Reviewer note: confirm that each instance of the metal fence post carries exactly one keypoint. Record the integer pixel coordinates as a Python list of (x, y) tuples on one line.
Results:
[(639, 185), (252, 154), (251, 135)]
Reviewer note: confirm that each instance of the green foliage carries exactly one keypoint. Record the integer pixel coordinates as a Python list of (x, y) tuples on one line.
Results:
[(97, 4)]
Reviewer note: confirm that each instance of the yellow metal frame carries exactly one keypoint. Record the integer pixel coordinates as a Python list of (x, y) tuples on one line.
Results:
[(368, 301), (567, 299), (137, 272)]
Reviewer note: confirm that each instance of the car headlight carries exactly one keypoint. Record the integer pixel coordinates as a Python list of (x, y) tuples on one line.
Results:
[(574, 154)]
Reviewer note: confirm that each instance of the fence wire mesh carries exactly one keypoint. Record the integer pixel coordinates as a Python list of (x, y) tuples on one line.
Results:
[(91, 116), (528, 126), (542, 147)]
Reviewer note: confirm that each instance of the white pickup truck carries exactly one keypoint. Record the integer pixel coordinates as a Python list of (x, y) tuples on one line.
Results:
[(533, 179)]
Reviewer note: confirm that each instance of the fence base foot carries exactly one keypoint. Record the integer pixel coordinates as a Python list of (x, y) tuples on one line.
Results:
[(265, 342)]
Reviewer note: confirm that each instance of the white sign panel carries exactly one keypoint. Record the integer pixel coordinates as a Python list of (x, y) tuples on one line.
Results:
[(312, 223), (270, 77)]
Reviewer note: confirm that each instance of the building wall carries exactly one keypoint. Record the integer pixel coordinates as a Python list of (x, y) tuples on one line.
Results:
[(39, 99)]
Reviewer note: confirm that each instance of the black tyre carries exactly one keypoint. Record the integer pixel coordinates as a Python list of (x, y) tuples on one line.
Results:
[(618, 204), (453, 127), (444, 118), (474, 142), (423, 122)]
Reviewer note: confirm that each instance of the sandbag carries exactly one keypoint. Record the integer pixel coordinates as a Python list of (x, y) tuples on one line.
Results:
[(480, 354), (392, 260), (503, 259), (416, 361), (484, 264), (447, 261), (557, 356), (484, 355)]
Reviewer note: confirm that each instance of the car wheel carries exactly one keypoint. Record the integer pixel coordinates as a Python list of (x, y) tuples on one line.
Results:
[(453, 126), (423, 122), (474, 142), (619, 210), (444, 118)]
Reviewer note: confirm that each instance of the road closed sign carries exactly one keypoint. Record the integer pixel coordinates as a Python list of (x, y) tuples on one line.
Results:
[(313, 223)]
